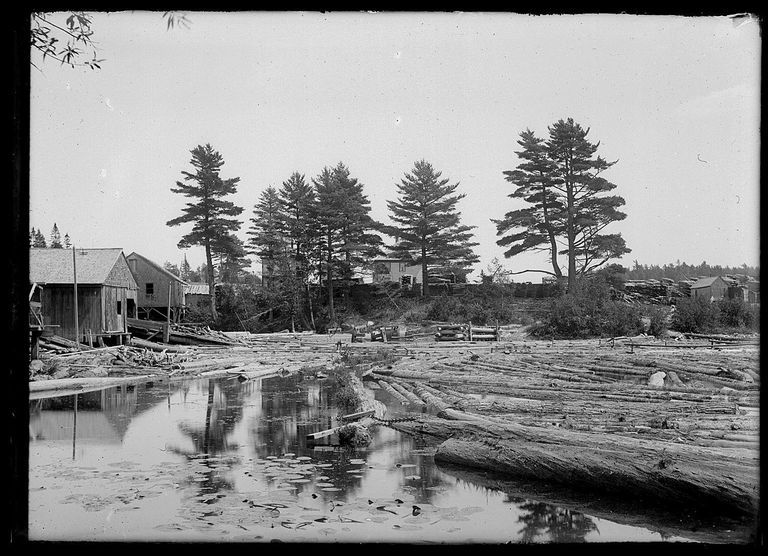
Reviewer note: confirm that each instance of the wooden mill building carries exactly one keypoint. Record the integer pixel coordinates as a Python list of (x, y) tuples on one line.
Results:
[(106, 292), (160, 290), (712, 288)]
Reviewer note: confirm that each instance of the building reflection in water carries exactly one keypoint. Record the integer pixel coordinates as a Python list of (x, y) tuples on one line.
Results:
[(225, 420)]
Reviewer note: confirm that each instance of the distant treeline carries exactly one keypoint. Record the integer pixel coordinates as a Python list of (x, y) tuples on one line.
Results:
[(681, 271), (37, 239)]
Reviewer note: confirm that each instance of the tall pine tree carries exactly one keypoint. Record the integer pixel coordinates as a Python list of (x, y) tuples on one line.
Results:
[(230, 255), (55, 237), (538, 226), (428, 224), (359, 241), (345, 226), (266, 239), (184, 268), (297, 208), (298, 211), (588, 210), (39, 240), (209, 212)]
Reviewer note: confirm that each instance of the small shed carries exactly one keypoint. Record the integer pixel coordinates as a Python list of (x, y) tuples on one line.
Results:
[(159, 289), (196, 296), (713, 288), (106, 291)]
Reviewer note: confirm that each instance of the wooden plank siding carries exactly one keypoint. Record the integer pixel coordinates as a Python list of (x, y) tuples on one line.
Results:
[(96, 309), (113, 320), (148, 274), (57, 307)]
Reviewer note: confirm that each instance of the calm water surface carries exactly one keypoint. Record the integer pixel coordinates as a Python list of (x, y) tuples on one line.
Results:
[(220, 460)]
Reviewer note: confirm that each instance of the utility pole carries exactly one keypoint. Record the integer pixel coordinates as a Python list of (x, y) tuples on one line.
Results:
[(74, 279)]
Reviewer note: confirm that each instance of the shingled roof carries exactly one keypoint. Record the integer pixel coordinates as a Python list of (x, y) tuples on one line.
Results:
[(54, 266), (156, 266), (705, 282)]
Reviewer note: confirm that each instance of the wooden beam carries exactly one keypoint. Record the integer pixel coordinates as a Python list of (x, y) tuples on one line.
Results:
[(358, 415), (323, 434)]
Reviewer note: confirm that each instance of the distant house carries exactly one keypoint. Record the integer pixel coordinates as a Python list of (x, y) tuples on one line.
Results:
[(159, 289), (753, 291), (106, 291), (713, 288), (196, 296), (397, 270)]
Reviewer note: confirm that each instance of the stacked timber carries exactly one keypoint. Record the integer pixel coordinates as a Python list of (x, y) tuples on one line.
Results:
[(187, 334), (57, 344), (483, 333), (651, 290), (451, 332), (685, 287)]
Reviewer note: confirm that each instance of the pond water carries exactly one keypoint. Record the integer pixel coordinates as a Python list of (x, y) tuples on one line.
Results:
[(220, 460)]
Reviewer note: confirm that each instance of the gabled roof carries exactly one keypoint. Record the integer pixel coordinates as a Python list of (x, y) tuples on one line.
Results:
[(55, 266), (156, 266), (196, 288), (705, 282)]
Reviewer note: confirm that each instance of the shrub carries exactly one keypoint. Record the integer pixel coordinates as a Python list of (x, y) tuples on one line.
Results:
[(737, 314), (659, 317), (346, 398), (695, 314), (588, 311)]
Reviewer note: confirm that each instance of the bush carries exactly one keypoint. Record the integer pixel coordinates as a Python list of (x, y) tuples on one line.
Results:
[(695, 314), (345, 396), (589, 312), (659, 319), (737, 314)]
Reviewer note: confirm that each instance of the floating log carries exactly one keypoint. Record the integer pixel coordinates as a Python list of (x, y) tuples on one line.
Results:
[(83, 383), (358, 415), (662, 470), (323, 434), (394, 393), (412, 398)]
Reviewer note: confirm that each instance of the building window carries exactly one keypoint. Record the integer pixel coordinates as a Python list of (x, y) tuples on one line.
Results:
[(119, 307), (150, 288)]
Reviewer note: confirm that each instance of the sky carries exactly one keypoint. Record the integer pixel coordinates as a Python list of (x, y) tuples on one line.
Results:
[(674, 100)]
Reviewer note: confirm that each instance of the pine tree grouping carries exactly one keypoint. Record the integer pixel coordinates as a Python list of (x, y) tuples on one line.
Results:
[(37, 239)]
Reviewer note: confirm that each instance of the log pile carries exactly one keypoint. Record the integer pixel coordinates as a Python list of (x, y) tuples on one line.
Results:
[(583, 412), (483, 333), (186, 333), (249, 356), (451, 332)]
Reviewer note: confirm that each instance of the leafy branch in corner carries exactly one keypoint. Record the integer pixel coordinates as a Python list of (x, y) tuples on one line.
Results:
[(71, 41)]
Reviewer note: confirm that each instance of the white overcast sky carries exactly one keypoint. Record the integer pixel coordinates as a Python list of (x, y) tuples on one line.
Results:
[(675, 99)]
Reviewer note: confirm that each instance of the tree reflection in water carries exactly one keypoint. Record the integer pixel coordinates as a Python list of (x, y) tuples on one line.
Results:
[(222, 413), (560, 525)]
